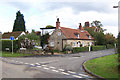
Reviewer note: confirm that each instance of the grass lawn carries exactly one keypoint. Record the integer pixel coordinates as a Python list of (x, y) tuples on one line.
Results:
[(105, 66), (9, 54)]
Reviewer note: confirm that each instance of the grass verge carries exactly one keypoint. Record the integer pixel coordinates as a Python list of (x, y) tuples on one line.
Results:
[(106, 66), (9, 54)]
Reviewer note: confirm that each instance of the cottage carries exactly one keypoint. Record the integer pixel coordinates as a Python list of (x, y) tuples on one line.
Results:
[(16, 34), (67, 36)]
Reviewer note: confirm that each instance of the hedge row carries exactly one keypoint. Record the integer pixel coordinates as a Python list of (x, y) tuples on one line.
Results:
[(96, 48), (8, 44), (80, 49), (109, 46), (93, 48)]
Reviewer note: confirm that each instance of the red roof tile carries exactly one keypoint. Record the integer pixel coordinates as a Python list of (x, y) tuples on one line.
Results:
[(70, 33)]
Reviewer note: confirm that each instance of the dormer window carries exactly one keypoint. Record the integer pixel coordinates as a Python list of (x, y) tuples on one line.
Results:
[(77, 35), (82, 30), (89, 37)]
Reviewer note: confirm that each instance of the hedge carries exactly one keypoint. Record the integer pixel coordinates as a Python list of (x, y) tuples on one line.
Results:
[(110, 46), (80, 49), (96, 48), (8, 44)]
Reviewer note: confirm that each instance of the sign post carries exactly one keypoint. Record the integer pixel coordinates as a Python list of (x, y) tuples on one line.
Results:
[(12, 38)]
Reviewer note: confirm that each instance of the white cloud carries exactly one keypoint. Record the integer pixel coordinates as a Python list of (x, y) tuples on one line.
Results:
[(37, 14)]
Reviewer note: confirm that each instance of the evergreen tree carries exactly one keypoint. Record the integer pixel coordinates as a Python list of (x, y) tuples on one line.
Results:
[(19, 23)]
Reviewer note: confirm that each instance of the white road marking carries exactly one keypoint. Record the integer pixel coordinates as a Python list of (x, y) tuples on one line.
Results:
[(39, 66), (32, 64), (83, 75), (20, 62), (55, 70), (52, 67), (26, 63), (46, 68), (76, 76), (16, 61), (71, 72), (43, 65), (61, 69), (65, 73), (37, 63)]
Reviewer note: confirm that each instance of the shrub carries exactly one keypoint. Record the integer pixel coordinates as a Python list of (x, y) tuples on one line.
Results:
[(109, 46), (96, 48), (56, 50), (68, 48), (80, 49), (8, 44)]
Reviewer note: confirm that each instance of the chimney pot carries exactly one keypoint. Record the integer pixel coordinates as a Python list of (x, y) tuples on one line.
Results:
[(80, 26), (87, 24)]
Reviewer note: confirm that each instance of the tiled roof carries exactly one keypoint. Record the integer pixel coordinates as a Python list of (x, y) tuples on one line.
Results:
[(70, 33), (7, 35)]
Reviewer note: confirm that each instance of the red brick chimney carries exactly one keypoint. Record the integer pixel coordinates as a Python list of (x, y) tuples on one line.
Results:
[(80, 26), (57, 24), (87, 24)]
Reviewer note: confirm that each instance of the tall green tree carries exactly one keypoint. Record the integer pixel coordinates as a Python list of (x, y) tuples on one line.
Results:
[(98, 25), (98, 36), (44, 39), (19, 23)]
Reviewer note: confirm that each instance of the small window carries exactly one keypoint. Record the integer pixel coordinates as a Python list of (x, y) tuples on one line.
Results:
[(52, 44), (57, 42), (74, 44), (59, 33), (77, 35), (89, 37), (82, 31), (83, 44)]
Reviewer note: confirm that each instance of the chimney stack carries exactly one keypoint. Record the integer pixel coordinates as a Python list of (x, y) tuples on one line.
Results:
[(87, 24), (80, 26), (57, 24)]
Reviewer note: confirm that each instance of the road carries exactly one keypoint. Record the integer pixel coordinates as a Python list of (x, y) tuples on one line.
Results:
[(56, 66)]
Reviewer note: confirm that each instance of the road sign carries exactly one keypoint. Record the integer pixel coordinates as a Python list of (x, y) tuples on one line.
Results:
[(12, 37)]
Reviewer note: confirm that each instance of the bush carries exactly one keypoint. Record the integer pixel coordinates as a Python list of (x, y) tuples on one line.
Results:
[(68, 48), (8, 44), (80, 49), (96, 48), (109, 46), (56, 50)]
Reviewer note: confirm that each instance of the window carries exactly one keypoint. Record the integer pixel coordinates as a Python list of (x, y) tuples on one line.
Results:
[(83, 44), (74, 44), (77, 35), (79, 44), (52, 44), (57, 42), (82, 31), (89, 37), (59, 33)]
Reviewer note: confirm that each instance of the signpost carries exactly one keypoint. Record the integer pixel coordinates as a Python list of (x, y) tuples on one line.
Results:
[(12, 38)]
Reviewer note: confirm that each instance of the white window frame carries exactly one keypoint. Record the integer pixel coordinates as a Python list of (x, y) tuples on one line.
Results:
[(83, 44), (59, 33), (52, 44), (74, 44)]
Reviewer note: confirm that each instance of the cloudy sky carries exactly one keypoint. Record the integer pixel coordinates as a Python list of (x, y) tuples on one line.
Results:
[(39, 13)]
